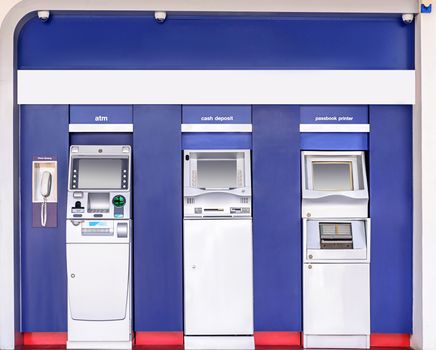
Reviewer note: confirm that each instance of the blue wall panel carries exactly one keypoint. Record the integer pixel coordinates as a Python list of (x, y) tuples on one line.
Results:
[(102, 138), (331, 141), (216, 140), (277, 218), (44, 132), (158, 301), (391, 209), (117, 41)]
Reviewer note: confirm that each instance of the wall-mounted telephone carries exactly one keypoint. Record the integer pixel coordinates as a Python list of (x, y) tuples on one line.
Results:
[(45, 189), (44, 192)]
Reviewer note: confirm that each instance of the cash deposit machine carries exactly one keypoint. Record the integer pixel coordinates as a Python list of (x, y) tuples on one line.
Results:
[(336, 250), (99, 248), (218, 262)]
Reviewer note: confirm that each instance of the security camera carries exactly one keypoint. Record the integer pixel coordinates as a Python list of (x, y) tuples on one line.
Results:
[(160, 16), (408, 18), (44, 15)]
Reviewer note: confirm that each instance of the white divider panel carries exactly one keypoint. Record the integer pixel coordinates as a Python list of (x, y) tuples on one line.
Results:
[(396, 87), (101, 127), (334, 127), (217, 127)]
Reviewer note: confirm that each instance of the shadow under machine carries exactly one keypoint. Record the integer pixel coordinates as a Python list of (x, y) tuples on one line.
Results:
[(336, 250), (218, 257), (99, 248)]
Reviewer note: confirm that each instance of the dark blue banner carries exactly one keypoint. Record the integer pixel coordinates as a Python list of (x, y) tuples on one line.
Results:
[(334, 115), (216, 115), (95, 114)]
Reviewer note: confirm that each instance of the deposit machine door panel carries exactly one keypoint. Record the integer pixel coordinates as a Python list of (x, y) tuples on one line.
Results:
[(218, 277), (340, 290), (98, 281)]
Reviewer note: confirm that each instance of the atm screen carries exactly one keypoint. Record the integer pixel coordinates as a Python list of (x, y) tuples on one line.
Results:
[(99, 173), (332, 176), (216, 173)]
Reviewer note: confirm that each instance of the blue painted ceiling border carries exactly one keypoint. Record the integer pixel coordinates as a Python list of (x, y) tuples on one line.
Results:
[(137, 41)]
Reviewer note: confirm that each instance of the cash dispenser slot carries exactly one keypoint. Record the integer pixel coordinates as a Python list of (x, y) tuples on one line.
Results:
[(98, 203), (335, 235)]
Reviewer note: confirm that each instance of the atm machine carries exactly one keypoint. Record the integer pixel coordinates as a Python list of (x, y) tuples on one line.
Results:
[(99, 248), (336, 250), (218, 261)]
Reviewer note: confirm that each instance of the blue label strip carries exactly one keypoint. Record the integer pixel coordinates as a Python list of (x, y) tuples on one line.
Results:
[(101, 114), (334, 115), (216, 115)]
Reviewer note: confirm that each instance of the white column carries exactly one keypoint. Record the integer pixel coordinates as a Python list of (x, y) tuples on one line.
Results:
[(9, 204), (424, 336)]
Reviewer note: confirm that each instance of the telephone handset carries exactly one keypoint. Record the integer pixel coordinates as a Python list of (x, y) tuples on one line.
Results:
[(45, 190)]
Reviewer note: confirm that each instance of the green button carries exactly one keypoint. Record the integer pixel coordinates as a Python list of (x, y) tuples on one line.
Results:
[(119, 201)]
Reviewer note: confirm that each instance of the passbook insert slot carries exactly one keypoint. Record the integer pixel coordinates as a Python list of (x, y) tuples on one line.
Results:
[(335, 235)]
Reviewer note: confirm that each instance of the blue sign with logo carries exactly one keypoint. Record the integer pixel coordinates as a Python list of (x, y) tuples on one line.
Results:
[(216, 114), (101, 114), (334, 115)]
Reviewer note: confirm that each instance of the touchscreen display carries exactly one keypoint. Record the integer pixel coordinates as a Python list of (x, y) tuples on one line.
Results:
[(99, 173), (332, 176), (216, 173)]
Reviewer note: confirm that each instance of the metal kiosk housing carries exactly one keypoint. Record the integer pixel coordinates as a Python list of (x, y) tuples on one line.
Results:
[(218, 261), (336, 250), (99, 248)]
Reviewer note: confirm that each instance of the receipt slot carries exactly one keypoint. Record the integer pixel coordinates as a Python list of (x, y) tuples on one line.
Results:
[(336, 250), (99, 248), (218, 261)]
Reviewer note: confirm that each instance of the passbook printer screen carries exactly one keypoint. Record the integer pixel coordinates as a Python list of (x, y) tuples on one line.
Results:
[(100, 173), (332, 176)]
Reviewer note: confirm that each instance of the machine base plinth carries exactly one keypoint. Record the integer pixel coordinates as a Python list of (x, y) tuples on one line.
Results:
[(219, 342), (109, 345), (336, 341)]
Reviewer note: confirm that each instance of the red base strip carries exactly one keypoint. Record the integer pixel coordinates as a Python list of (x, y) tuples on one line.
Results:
[(176, 339), (159, 338), (390, 340), (277, 338), (45, 338)]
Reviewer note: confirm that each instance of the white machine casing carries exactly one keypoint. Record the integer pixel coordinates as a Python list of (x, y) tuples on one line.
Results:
[(99, 258), (214, 201), (338, 203), (336, 278), (218, 251)]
